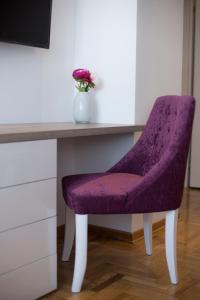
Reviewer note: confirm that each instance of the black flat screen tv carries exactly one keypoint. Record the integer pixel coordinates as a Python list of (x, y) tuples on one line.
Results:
[(26, 22)]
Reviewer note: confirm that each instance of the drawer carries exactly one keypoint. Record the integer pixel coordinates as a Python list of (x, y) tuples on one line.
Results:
[(30, 282), (27, 244), (27, 203), (27, 161)]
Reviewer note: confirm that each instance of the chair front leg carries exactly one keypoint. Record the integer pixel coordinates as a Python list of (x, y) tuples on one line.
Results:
[(170, 244), (81, 238), (69, 234), (147, 221)]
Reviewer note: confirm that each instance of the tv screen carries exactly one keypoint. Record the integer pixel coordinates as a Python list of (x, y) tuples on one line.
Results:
[(26, 22)]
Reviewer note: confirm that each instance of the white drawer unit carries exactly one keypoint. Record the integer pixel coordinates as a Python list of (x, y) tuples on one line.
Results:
[(31, 281), (27, 161), (27, 203), (28, 219)]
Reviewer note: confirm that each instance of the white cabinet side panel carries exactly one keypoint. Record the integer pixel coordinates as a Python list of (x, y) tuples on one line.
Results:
[(195, 151)]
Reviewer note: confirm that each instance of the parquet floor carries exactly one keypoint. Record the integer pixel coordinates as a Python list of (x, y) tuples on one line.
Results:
[(121, 271)]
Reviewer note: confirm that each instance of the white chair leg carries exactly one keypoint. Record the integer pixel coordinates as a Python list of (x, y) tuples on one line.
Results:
[(69, 234), (170, 243), (80, 252), (147, 220)]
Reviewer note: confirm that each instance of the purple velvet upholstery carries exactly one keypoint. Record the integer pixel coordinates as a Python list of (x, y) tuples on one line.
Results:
[(150, 177)]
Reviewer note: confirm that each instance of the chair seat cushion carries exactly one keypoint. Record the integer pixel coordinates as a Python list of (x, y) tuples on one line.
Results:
[(99, 193)]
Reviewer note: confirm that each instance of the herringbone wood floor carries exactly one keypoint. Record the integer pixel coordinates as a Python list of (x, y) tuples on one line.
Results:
[(121, 271)]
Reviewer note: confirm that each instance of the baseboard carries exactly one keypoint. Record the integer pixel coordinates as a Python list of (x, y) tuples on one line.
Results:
[(97, 231), (155, 226), (60, 232)]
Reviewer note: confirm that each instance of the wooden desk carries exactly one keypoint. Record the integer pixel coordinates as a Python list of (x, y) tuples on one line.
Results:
[(28, 195), (43, 131)]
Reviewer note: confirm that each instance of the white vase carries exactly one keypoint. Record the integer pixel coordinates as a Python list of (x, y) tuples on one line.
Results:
[(81, 107)]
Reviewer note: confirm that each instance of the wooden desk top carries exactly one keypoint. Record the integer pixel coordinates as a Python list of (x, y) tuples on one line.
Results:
[(41, 131)]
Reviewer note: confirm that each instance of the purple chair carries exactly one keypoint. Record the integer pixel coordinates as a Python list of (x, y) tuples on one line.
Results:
[(149, 178)]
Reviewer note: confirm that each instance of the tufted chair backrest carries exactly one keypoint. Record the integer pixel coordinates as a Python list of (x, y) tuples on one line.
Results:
[(168, 129)]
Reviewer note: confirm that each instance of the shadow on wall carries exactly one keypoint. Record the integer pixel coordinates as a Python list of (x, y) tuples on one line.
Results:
[(94, 100), (94, 108)]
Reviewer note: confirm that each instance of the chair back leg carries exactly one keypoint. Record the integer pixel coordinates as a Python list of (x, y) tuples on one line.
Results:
[(147, 222), (81, 237), (170, 243), (69, 234)]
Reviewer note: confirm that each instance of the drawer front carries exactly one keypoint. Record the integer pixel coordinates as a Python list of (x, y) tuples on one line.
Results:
[(27, 203), (27, 161), (30, 282), (27, 244)]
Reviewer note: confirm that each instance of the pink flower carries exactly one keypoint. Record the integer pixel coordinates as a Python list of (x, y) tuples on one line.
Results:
[(84, 80), (82, 74)]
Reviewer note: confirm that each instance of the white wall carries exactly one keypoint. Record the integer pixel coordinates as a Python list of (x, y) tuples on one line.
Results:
[(159, 52), (105, 42), (36, 84)]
